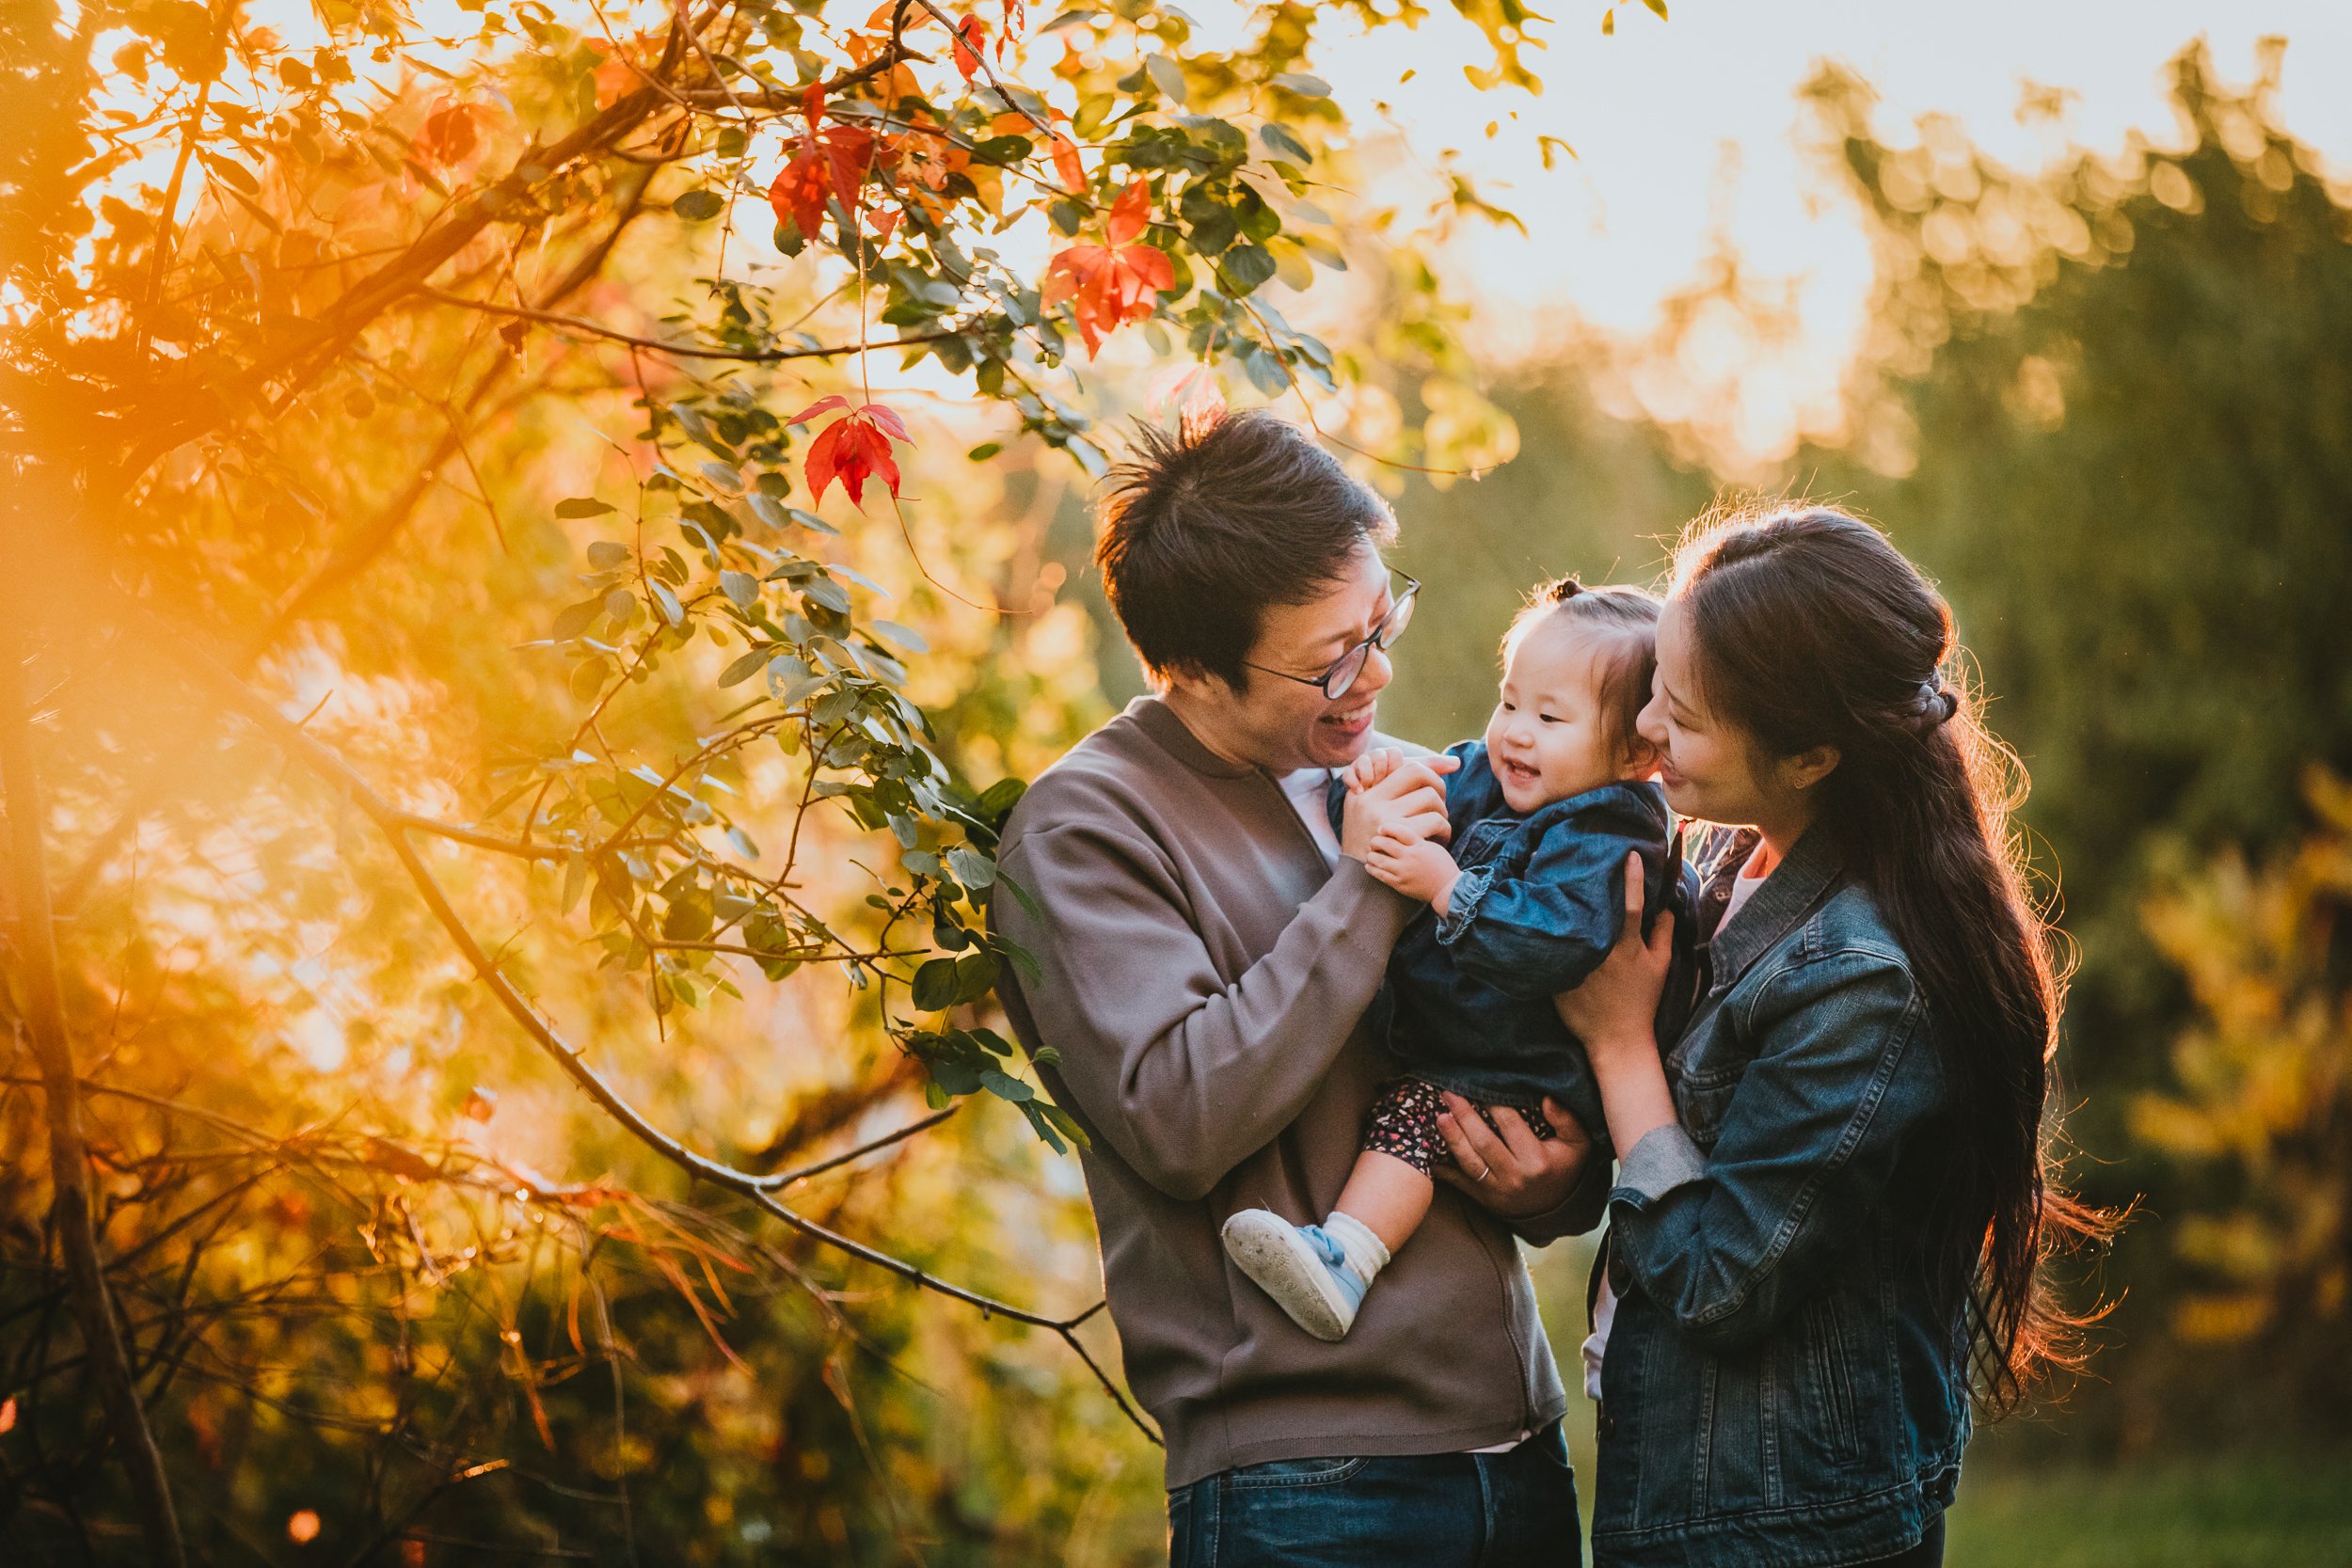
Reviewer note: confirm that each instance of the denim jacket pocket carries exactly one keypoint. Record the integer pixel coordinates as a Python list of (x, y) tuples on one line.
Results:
[(1825, 1402), (1293, 1472)]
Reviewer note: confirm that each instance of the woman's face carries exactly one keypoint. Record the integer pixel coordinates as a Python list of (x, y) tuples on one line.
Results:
[(1710, 767)]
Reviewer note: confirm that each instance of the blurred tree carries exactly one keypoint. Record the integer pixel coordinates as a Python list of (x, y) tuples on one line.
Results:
[(2261, 1111), (441, 675)]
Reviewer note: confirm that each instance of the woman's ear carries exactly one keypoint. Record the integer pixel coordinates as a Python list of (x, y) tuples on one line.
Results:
[(1809, 768)]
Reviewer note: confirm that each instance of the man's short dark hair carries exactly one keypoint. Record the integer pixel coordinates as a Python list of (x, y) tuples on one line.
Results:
[(1203, 529)]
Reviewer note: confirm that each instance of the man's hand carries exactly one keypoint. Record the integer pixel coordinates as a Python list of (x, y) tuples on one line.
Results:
[(1514, 1174), (1417, 868), (1407, 802)]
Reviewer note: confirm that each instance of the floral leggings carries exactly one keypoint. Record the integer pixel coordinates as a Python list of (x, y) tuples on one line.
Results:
[(1403, 1123)]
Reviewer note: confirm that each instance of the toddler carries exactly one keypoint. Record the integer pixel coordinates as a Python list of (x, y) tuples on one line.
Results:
[(1526, 903)]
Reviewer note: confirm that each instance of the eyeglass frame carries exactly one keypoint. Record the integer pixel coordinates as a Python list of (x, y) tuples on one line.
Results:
[(1365, 649)]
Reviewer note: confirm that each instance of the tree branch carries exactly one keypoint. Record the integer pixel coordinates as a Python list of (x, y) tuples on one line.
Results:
[(327, 764), (69, 1156), (682, 351)]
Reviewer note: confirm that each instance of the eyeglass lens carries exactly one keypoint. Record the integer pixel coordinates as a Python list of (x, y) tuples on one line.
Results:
[(1342, 675)]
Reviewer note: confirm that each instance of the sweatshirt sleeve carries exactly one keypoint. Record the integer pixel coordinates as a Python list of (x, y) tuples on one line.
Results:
[(1182, 1074)]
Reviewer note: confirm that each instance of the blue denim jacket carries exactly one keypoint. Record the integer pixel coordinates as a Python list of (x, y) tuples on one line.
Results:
[(1539, 904), (1785, 1384)]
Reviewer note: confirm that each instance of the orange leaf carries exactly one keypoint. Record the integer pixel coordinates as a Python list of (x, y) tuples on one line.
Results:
[(448, 135), (1108, 286), (1016, 18), (1066, 165), (970, 38)]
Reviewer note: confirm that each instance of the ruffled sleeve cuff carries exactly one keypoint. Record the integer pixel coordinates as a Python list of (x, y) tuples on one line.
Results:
[(1469, 890)]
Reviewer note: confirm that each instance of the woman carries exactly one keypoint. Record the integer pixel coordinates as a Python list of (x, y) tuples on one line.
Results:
[(1836, 1194)]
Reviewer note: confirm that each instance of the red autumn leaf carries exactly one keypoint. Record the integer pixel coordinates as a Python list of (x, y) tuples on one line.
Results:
[(799, 192), (970, 38), (833, 162), (1016, 18), (1109, 285), (448, 133), (853, 448), (1073, 174), (1130, 214)]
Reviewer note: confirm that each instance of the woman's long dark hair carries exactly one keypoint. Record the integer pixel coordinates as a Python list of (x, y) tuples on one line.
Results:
[(1812, 631)]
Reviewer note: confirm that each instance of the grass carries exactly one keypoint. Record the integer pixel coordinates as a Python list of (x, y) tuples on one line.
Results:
[(2233, 1511)]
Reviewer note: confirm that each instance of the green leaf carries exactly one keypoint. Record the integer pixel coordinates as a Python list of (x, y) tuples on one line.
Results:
[(985, 451), (699, 206), (577, 618), (911, 641), (672, 611), (935, 986), (975, 975), (604, 555), (1167, 77), (997, 800), (1266, 373), (972, 868), (1001, 151), (1004, 1087), (582, 506), (1278, 138), (741, 587), (1303, 85), (745, 668), (1247, 267)]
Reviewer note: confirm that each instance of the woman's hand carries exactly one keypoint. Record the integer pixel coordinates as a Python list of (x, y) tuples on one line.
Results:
[(1513, 1172), (1614, 1011)]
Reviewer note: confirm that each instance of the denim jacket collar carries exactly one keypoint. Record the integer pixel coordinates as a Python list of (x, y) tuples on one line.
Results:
[(1775, 909)]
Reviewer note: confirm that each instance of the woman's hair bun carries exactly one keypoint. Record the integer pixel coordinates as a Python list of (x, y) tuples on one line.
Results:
[(1933, 707), (1559, 590)]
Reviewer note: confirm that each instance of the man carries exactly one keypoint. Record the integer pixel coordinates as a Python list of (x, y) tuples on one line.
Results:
[(1206, 951)]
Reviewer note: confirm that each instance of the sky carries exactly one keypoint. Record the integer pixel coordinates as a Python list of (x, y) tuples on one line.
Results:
[(1686, 128)]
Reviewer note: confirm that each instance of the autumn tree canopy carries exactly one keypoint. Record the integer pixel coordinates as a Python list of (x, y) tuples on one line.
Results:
[(494, 899)]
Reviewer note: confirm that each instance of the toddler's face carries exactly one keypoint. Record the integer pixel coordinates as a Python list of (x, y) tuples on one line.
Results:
[(1550, 737)]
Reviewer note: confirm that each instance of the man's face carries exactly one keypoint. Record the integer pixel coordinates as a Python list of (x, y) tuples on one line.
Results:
[(1281, 724)]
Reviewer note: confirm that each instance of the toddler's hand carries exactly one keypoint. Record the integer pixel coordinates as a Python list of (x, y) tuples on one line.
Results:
[(1372, 768), (1416, 867)]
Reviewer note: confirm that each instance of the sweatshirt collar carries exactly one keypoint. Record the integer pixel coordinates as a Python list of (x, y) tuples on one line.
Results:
[(1172, 736)]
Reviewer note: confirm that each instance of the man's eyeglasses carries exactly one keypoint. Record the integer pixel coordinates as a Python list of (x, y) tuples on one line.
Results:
[(1335, 681)]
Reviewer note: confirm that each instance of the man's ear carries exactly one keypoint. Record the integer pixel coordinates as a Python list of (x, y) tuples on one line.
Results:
[(1808, 768)]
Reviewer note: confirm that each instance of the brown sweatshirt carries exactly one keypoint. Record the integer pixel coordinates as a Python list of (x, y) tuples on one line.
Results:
[(1203, 975)]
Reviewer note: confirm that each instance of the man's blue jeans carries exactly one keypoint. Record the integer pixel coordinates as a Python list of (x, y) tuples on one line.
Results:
[(1515, 1510)]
